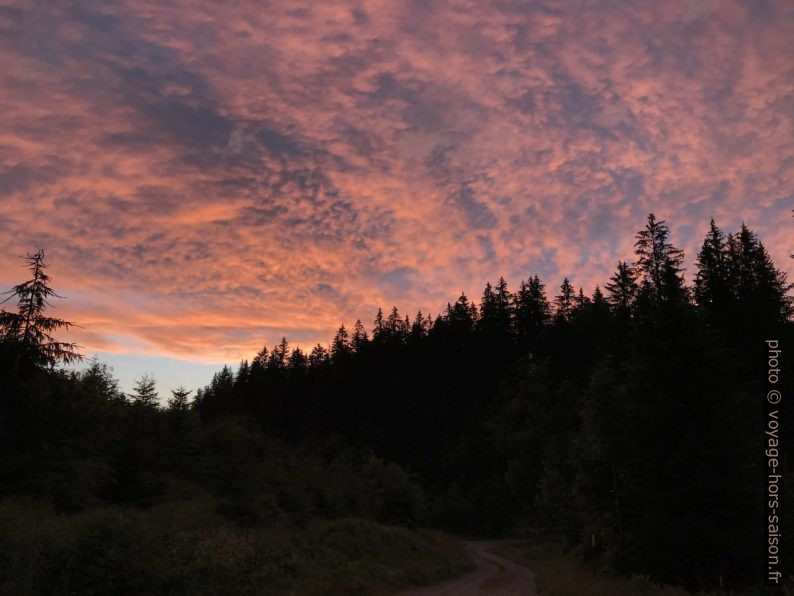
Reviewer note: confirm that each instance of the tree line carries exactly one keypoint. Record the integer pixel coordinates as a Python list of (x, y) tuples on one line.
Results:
[(622, 423), (624, 416)]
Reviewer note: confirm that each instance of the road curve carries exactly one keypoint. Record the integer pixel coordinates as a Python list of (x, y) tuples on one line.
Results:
[(492, 575)]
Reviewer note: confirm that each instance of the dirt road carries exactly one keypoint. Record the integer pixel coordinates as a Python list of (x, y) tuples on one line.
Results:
[(492, 575)]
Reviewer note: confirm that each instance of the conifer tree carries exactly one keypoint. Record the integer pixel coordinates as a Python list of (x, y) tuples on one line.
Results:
[(179, 400), (243, 374), (145, 391), (340, 345), (598, 300), (760, 289), (712, 289), (504, 301), (99, 377), (259, 362), (395, 326), (496, 308), (580, 301), (462, 315), (318, 356), (659, 261), (359, 339), (297, 361), (279, 355), (488, 304), (377, 331), (418, 328), (532, 311), (564, 301), (28, 330), (622, 288)]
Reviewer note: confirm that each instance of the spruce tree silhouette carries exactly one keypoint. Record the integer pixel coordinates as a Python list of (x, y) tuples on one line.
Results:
[(179, 402), (145, 391), (564, 301), (760, 288), (29, 331), (359, 339), (340, 346), (622, 288), (659, 262), (531, 311), (712, 289)]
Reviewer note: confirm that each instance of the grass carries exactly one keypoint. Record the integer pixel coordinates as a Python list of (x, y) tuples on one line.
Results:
[(188, 548), (564, 575), (559, 575)]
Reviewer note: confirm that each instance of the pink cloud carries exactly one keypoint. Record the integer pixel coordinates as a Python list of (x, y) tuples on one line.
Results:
[(209, 177)]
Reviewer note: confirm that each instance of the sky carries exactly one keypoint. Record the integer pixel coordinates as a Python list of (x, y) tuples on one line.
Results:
[(207, 177)]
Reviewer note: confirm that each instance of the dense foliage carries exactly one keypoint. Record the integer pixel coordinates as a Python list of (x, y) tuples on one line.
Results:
[(629, 417), (625, 423)]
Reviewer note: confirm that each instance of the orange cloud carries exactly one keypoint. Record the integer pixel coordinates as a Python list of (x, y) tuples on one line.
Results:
[(207, 177)]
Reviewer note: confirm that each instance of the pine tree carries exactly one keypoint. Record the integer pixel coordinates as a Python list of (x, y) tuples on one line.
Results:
[(359, 339), (712, 285), (222, 382), (418, 328), (260, 360), (504, 301), (243, 375), (496, 308), (29, 331), (179, 402), (297, 361), (759, 288), (580, 301), (98, 377), (659, 261), (278, 356), (377, 331), (488, 304), (145, 391), (564, 301), (395, 326), (340, 346), (622, 289), (532, 311), (599, 302), (462, 315), (318, 356), (394, 321)]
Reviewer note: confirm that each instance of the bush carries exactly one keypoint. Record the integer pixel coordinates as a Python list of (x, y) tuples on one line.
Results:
[(185, 548)]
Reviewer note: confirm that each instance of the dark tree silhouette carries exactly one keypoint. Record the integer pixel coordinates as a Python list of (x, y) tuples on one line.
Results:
[(341, 345), (318, 355), (564, 301), (145, 391), (532, 312), (759, 288), (622, 288), (377, 331), (179, 400), (462, 315), (659, 262), (712, 285), (279, 356), (359, 339), (28, 330)]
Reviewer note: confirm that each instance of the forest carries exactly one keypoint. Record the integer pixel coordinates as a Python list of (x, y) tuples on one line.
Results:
[(622, 424)]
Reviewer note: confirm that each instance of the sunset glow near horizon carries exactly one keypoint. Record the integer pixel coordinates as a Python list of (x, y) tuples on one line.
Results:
[(206, 177)]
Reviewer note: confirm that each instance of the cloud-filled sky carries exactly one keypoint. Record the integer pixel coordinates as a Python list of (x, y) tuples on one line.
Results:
[(206, 177)]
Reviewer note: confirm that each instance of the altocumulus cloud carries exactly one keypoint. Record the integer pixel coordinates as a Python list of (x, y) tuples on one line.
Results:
[(207, 177)]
